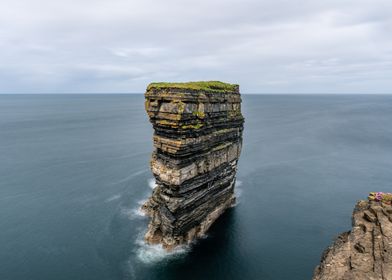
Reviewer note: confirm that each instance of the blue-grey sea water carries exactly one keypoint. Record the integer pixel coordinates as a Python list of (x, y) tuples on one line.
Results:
[(74, 170)]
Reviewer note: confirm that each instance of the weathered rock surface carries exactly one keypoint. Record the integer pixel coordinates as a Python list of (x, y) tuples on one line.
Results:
[(365, 252), (197, 138)]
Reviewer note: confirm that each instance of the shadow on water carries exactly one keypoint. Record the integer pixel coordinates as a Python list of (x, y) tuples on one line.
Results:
[(210, 258)]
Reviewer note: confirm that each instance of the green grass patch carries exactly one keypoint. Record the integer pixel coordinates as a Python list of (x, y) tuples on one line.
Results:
[(192, 126), (207, 86)]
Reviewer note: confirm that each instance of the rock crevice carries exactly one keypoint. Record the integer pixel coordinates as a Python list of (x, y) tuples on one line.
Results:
[(365, 252), (197, 142)]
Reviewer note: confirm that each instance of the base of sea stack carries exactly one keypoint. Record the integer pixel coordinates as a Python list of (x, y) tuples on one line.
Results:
[(365, 252), (154, 233)]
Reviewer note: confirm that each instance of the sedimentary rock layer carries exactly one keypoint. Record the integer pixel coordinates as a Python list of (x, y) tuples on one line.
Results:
[(365, 252), (197, 140)]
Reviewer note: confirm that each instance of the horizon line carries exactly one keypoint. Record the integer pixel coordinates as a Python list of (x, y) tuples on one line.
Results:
[(246, 93)]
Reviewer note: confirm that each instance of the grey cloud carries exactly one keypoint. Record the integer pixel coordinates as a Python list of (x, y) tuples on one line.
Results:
[(266, 46)]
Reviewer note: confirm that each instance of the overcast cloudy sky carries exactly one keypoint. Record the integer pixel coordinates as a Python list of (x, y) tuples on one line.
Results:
[(266, 46)]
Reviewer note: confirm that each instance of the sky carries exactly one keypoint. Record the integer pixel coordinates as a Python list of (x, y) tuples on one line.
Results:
[(265, 46)]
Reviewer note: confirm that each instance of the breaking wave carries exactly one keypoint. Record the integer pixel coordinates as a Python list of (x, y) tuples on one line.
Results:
[(150, 254), (151, 183), (134, 213)]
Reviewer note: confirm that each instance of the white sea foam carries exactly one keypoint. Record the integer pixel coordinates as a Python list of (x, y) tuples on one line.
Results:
[(141, 202), (144, 252), (151, 183), (134, 213), (113, 197), (130, 176), (150, 254), (238, 191)]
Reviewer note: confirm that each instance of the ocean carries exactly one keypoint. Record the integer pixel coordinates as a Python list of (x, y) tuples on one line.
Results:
[(74, 170)]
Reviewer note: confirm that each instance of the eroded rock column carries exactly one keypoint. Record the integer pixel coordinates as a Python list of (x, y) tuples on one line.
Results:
[(197, 139)]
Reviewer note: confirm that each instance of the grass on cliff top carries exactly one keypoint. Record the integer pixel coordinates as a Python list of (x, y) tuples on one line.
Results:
[(209, 86)]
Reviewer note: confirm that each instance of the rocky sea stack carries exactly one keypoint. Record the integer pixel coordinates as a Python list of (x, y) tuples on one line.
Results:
[(365, 252), (197, 139)]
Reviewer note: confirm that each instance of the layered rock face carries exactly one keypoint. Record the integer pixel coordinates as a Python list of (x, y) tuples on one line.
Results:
[(365, 252), (197, 139)]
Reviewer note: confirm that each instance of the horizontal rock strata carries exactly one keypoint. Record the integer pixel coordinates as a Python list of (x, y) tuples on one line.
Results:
[(365, 252), (197, 140)]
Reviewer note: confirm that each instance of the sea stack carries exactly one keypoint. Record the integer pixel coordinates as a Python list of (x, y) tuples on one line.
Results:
[(197, 142), (365, 252)]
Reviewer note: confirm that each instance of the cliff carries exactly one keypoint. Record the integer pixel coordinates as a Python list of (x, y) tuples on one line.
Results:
[(365, 252), (197, 142)]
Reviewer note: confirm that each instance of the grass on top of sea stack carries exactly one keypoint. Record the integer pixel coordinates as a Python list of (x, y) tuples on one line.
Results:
[(207, 86)]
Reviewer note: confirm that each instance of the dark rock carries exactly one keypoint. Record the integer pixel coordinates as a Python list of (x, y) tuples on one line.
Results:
[(197, 138)]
